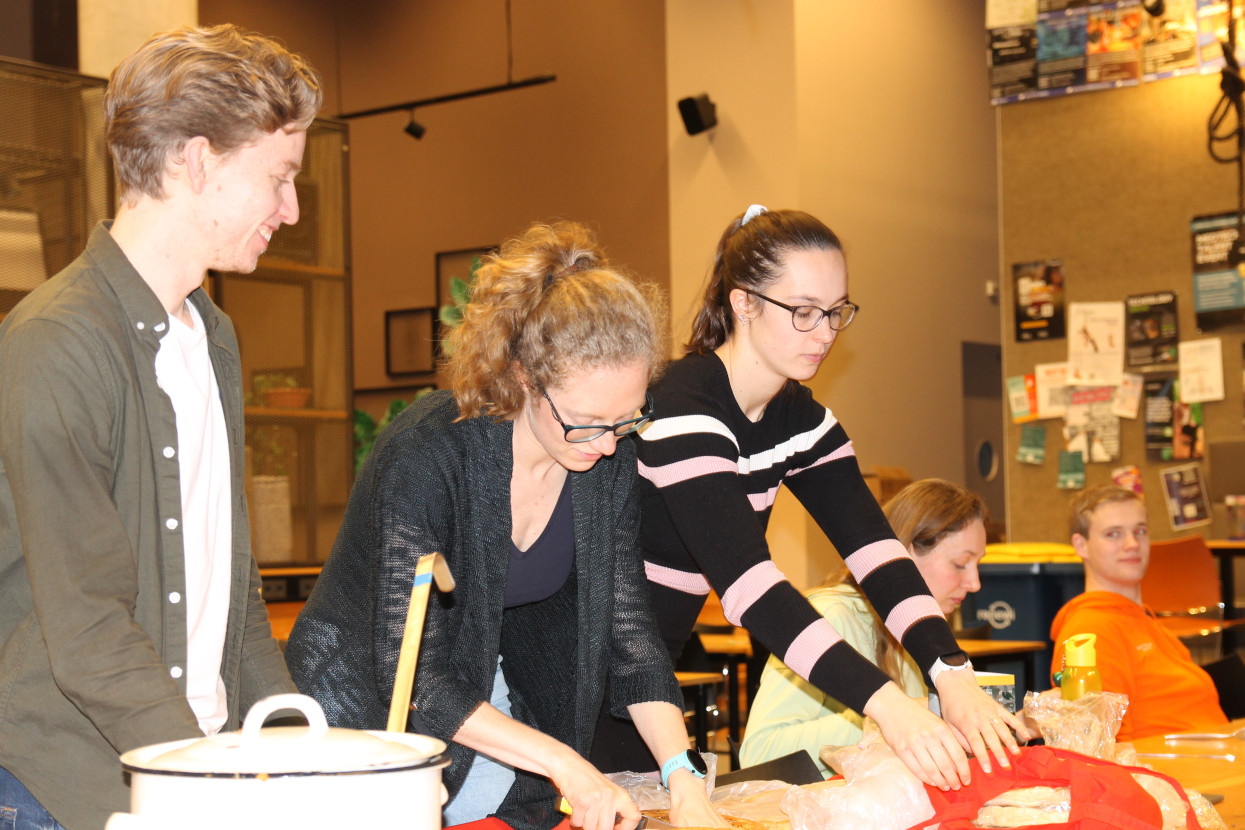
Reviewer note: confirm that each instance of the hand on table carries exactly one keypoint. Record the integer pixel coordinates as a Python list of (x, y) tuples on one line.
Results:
[(979, 722), (925, 744)]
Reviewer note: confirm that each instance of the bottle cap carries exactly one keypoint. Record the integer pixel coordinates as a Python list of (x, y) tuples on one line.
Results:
[(1079, 650)]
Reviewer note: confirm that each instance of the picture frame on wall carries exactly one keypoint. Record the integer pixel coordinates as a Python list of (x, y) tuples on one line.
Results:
[(410, 338)]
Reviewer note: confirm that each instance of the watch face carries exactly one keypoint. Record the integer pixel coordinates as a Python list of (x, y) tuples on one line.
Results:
[(697, 763)]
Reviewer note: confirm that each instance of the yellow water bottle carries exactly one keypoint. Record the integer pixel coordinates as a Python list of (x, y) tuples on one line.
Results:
[(1080, 674)]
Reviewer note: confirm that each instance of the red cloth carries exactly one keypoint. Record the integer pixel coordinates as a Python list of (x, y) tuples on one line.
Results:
[(493, 823), (1104, 795)]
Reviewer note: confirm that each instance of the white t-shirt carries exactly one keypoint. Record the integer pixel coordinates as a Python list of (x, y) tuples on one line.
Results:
[(184, 372)]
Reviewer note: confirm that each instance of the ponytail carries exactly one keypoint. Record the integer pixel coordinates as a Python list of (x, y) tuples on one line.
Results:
[(546, 302)]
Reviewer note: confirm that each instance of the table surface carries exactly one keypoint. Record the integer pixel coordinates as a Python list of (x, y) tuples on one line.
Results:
[(1001, 648), (1206, 775)]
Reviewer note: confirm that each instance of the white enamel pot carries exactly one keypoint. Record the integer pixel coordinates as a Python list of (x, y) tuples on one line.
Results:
[(303, 776)]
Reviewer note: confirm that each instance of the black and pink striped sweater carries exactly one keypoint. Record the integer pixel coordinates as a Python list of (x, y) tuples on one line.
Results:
[(708, 479)]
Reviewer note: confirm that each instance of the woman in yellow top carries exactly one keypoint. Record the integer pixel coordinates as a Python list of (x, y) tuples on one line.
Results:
[(943, 526)]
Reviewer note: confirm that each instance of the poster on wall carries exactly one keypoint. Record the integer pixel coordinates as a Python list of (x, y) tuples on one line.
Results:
[(1039, 292), (1169, 41), (1095, 344), (1013, 63), (1212, 30), (1061, 53), (1151, 330), (1185, 491), (1201, 370), (1090, 427), (1051, 380), (1175, 430), (1113, 46), (1218, 290)]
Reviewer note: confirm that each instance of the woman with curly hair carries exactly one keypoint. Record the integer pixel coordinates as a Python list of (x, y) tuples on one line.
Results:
[(522, 477)]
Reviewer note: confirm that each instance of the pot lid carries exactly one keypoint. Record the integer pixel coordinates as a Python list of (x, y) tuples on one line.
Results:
[(289, 750)]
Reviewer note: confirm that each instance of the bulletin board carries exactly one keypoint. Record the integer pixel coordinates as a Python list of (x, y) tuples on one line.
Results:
[(1109, 183)]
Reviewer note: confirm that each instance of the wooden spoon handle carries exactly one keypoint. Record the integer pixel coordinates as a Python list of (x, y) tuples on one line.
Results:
[(429, 566)]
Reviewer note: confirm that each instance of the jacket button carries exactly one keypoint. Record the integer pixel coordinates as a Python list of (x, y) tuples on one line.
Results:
[(175, 672), (171, 524), (169, 452), (175, 597)]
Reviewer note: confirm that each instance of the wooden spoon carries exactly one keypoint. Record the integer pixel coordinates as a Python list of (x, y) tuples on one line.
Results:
[(430, 567)]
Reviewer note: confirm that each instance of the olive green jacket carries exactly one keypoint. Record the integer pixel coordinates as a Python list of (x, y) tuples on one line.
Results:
[(92, 574)]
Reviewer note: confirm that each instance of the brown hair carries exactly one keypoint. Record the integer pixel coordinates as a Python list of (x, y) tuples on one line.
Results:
[(922, 515), (1081, 508), (223, 83), (545, 304), (750, 256)]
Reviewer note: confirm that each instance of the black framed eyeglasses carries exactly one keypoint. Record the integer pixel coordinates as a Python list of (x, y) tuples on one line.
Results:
[(582, 433), (808, 317)]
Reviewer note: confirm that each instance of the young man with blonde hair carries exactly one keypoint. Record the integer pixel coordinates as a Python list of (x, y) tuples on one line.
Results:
[(1137, 656), (130, 611)]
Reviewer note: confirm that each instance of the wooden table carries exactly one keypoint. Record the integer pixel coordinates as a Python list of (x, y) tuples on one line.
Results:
[(987, 652), (1206, 775)]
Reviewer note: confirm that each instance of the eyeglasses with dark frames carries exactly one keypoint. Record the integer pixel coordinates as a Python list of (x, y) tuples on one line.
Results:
[(809, 317), (582, 433)]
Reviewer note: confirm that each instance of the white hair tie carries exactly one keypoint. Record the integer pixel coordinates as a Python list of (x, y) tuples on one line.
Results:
[(753, 212)]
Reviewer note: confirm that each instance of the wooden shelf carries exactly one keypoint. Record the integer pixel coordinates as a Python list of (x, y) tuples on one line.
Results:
[(297, 414)]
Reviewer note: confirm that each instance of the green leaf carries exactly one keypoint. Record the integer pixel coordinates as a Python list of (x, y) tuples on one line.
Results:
[(460, 291)]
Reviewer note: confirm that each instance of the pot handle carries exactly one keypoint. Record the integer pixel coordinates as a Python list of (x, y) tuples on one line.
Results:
[(317, 724)]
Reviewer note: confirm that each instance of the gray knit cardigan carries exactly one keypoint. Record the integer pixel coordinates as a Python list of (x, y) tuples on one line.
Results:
[(433, 484)]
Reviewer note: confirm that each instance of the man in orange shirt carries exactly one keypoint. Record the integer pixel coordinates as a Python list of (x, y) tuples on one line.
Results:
[(1138, 657)]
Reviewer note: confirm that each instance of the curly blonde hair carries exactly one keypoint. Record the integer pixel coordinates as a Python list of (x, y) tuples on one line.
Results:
[(545, 304)]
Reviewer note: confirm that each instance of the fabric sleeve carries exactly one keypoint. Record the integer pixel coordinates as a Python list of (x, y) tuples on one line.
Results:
[(834, 492), (789, 714), (640, 669), (264, 671), (412, 499), (59, 411)]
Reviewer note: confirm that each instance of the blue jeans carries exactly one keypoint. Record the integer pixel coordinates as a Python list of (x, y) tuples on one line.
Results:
[(18, 808), (487, 781)]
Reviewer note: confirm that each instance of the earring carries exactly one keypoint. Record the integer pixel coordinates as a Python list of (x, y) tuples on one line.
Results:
[(742, 319)]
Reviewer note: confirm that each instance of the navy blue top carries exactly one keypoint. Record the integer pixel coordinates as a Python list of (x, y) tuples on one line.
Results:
[(538, 572)]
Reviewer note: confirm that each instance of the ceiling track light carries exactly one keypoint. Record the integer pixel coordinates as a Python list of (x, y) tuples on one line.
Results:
[(417, 130), (414, 129)]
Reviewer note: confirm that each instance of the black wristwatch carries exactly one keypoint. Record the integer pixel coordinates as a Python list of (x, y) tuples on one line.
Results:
[(688, 760)]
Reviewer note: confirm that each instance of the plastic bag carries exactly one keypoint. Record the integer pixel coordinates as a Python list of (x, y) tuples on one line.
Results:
[(1087, 725), (646, 789), (881, 793)]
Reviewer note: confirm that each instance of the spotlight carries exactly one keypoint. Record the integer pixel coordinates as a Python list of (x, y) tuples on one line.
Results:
[(414, 129), (699, 114)]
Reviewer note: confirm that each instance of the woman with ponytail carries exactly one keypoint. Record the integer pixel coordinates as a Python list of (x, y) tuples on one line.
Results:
[(735, 424), (520, 475)]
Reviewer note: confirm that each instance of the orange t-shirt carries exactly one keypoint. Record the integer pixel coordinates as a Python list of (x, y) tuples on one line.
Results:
[(1138, 657)]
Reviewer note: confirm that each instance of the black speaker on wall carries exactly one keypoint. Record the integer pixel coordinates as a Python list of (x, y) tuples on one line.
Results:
[(699, 114)]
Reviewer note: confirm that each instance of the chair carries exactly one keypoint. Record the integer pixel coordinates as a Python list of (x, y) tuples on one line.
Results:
[(1229, 677), (1182, 587)]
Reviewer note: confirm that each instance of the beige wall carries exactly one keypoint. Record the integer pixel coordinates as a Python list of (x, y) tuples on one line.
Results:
[(108, 30), (896, 155), (589, 147)]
